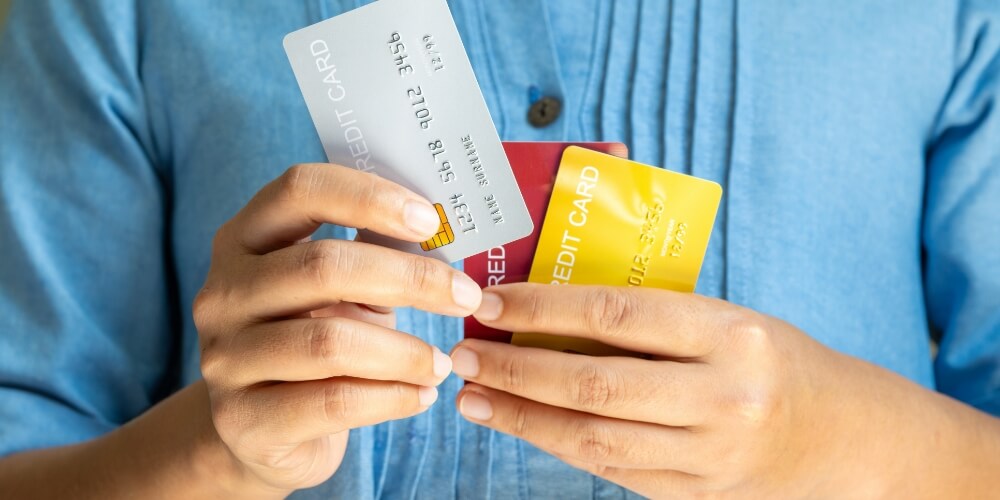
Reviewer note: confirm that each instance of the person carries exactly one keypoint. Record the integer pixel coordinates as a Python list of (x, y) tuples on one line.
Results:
[(186, 313)]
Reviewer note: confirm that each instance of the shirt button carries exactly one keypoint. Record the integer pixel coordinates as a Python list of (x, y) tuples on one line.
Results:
[(544, 111)]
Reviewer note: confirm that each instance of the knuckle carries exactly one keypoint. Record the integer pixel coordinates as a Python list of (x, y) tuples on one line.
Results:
[(749, 329), (754, 402), (406, 401), (537, 313), (417, 354), (340, 400), (212, 357), (596, 388), (206, 306), (329, 340), (211, 361), (422, 274), (322, 260), (227, 417), (612, 311), (512, 373), (284, 467), (755, 406), (278, 460), (369, 193), (756, 399), (593, 442), (296, 183), (519, 420)]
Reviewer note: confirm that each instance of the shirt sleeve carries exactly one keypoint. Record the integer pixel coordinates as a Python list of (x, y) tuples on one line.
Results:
[(962, 216), (86, 316)]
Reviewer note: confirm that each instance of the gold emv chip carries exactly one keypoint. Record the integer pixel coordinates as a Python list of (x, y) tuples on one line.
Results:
[(444, 235)]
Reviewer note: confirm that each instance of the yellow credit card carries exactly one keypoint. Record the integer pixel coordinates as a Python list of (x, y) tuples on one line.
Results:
[(612, 221)]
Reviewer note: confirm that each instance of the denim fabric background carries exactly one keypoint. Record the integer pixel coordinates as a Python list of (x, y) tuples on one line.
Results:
[(858, 144)]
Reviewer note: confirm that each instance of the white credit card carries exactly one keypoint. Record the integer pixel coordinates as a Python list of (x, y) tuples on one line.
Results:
[(391, 91)]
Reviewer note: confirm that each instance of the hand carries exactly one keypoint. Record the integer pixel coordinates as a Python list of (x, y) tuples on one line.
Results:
[(730, 401), (297, 336)]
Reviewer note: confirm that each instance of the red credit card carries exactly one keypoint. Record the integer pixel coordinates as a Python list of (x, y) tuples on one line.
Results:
[(535, 165)]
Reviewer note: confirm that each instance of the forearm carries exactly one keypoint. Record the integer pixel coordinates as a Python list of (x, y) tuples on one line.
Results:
[(923, 443), (967, 465), (171, 451)]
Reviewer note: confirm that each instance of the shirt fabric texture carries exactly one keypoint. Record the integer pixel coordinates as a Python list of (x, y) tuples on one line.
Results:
[(857, 142)]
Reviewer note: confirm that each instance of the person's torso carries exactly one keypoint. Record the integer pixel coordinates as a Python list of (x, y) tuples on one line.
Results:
[(812, 115)]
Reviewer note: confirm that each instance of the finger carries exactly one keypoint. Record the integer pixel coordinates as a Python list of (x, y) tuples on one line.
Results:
[(313, 349), (294, 205), (649, 483), (376, 315), (317, 274), (381, 309), (586, 437), (617, 387), (295, 412), (659, 322)]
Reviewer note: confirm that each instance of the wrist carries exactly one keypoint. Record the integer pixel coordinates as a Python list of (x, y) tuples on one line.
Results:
[(212, 463), (891, 437), (173, 451)]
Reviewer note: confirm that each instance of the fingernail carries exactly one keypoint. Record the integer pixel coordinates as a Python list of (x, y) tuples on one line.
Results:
[(421, 218), (442, 364), (490, 307), (475, 406), (427, 395), (465, 363), (465, 292)]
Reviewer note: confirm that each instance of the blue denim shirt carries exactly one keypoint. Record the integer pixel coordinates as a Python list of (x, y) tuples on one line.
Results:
[(858, 144)]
